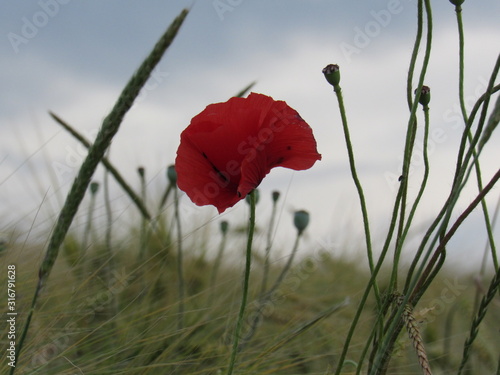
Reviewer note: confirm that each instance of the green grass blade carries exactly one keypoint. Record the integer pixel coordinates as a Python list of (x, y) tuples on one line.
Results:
[(245, 90), (474, 329)]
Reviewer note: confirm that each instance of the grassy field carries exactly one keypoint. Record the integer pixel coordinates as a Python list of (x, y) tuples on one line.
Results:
[(120, 314)]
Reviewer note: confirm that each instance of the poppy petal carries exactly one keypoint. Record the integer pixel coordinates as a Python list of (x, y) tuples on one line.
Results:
[(293, 145), (253, 170), (197, 178), (230, 147)]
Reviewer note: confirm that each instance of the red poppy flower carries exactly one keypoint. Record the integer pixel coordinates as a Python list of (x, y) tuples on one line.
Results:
[(230, 147)]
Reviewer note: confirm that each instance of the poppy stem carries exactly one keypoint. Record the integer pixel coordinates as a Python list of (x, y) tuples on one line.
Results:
[(373, 269), (246, 278), (362, 201), (488, 224)]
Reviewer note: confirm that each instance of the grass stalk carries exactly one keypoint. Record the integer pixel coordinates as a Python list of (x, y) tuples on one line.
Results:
[(287, 266), (269, 243), (246, 279), (90, 216), (108, 247), (246, 89), (218, 259), (289, 336), (107, 164), (265, 297), (483, 308), (110, 127), (164, 198), (109, 218), (143, 237), (180, 261)]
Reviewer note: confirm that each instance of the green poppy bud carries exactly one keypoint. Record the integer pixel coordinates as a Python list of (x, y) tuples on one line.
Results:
[(425, 96), (332, 74), (224, 225), (257, 196), (457, 2), (301, 220), (276, 196), (172, 174), (94, 186), (141, 171)]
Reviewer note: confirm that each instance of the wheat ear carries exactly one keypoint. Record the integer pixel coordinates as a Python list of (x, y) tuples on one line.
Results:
[(415, 337)]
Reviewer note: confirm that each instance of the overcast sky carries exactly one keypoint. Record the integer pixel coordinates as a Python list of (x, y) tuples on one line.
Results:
[(74, 57)]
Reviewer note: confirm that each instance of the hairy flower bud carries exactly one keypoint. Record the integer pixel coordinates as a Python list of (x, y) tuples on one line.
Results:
[(301, 220), (171, 174), (425, 96), (276, 196), (224, 225), (141, 171), (257, 197), (94, 186), (332, 74)]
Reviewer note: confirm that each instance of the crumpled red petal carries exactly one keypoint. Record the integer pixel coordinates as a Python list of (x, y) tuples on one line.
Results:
[(230, 147)]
